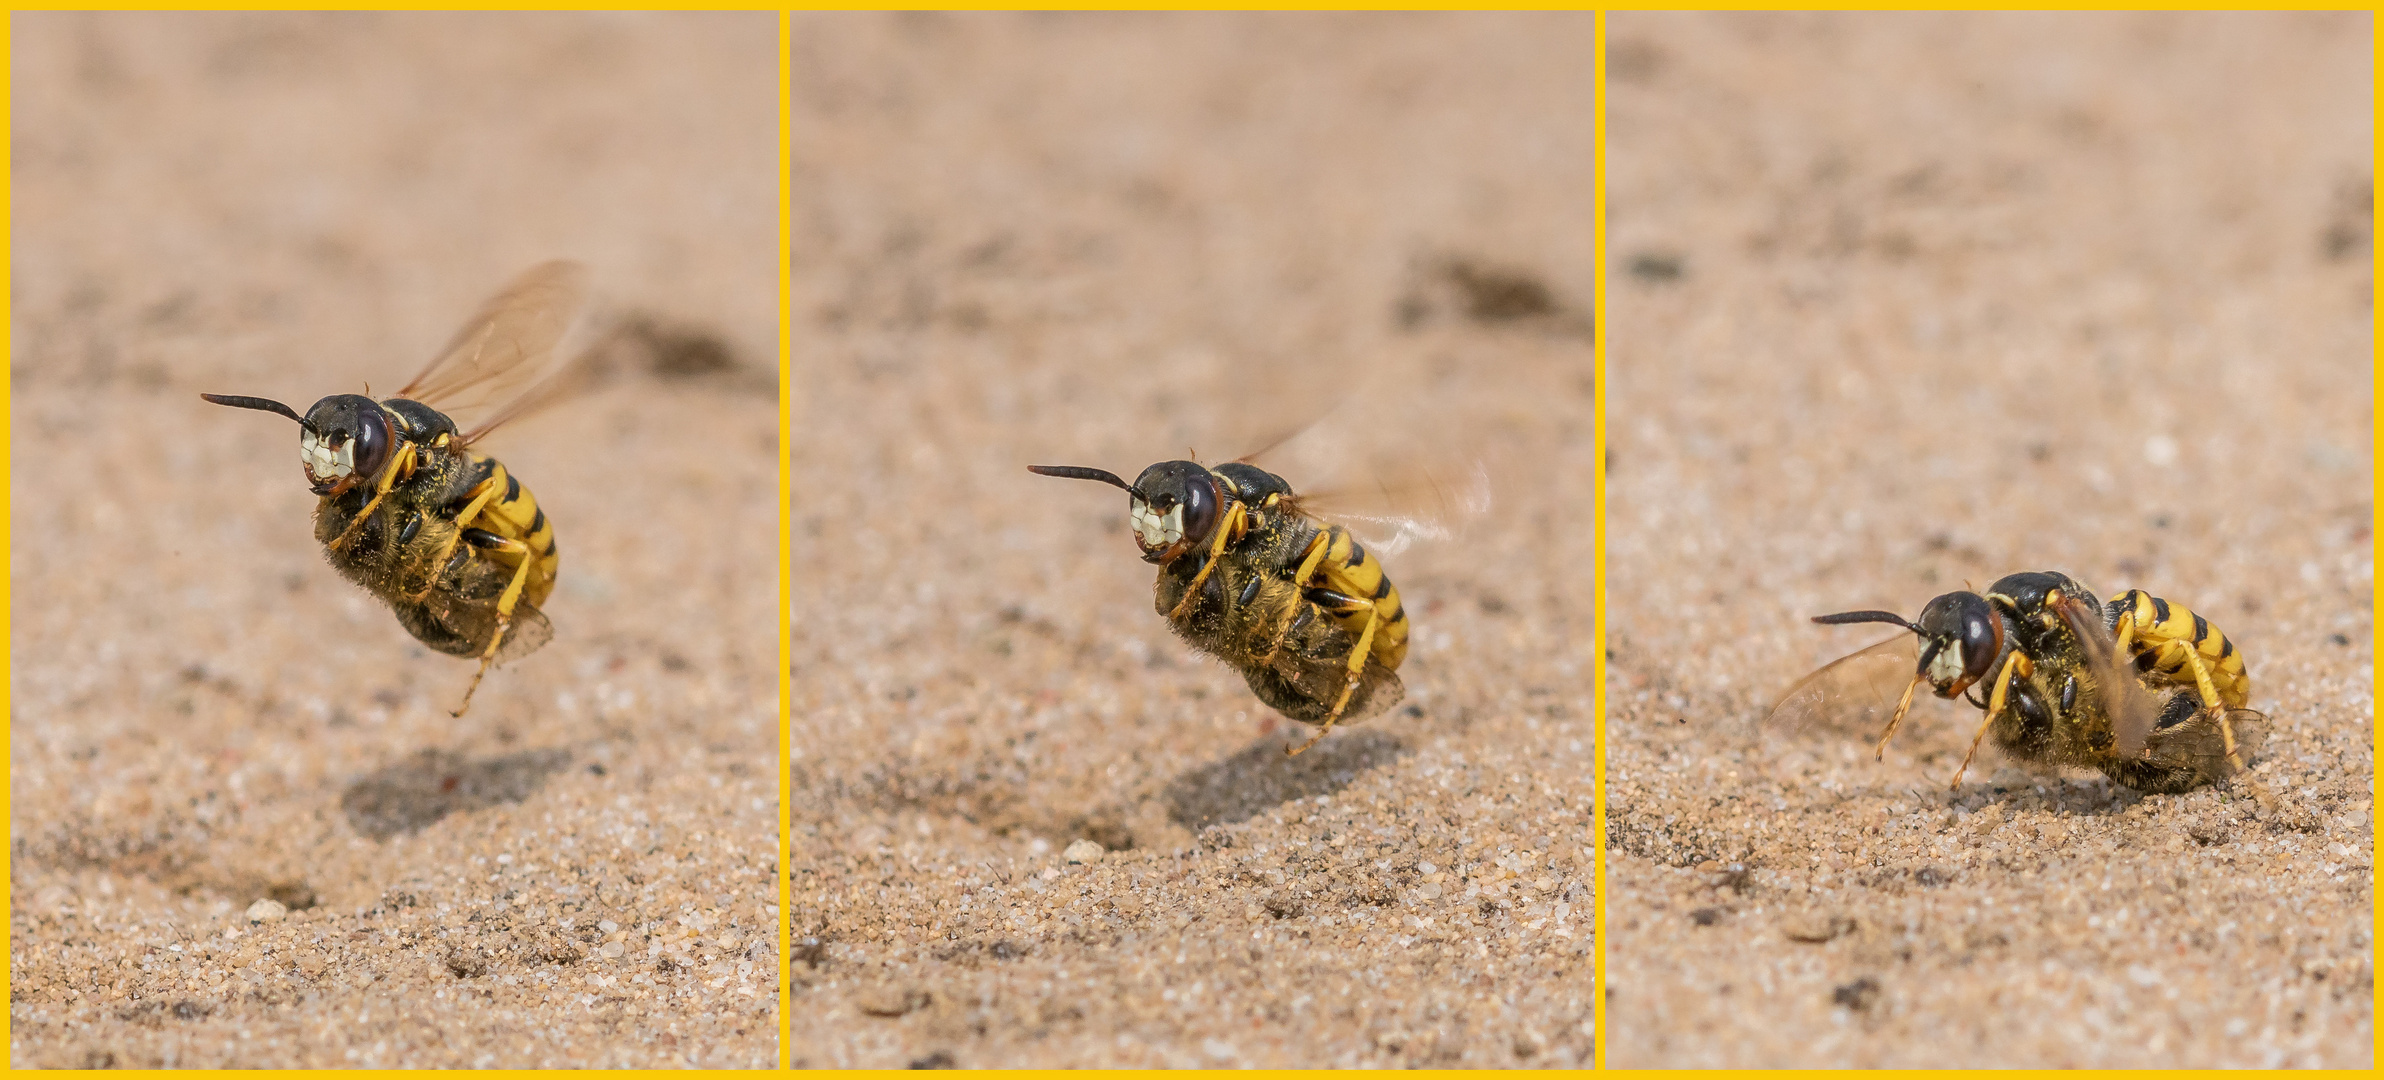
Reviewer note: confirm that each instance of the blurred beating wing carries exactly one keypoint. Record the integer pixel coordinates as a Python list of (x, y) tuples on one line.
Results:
[(1851, 696), (2130, 707), (504, 347), (1419, 503)]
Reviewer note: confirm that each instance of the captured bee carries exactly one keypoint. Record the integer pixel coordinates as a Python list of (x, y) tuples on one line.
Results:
[(2147, 693), (443, 533), (1248, 575)]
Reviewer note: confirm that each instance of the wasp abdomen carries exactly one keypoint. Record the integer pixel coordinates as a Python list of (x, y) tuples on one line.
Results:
[(2169, 642), (1350, 572)]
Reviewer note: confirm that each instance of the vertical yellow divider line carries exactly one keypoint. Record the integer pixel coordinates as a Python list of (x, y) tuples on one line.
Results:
[(1604, 331), (2375, 506), (7, 410), (786, 536)]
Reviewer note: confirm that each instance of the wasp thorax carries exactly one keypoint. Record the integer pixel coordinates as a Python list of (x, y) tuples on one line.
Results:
[(1960, 641)]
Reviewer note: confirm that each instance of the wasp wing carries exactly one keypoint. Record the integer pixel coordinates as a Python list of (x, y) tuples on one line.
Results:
[(1399, 507), (1854, 695), (504, 347)]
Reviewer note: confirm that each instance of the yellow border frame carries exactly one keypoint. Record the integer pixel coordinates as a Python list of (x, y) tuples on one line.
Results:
[(7, 493), (786, 537), (1597, 488)]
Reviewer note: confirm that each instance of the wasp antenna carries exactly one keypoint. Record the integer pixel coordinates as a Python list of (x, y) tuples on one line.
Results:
[(1080, 472), (260, 404), (1843, 618)]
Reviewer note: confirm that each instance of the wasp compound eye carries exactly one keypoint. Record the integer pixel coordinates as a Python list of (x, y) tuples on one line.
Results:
[(371, 443), (1200, 509)]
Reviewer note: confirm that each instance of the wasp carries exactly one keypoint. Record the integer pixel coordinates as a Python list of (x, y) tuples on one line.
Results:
[(1248, 574), (443, 533), (2142, 690)]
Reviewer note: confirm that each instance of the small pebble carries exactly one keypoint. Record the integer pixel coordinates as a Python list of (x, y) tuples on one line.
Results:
[(1084, 851), (266, 911)]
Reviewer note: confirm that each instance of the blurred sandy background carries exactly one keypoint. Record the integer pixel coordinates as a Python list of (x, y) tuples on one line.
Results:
[(580, 872), (1904, 301), (1101, 240)]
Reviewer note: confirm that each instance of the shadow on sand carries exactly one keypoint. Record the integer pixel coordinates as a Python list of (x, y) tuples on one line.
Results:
[(417, 792), (1262, 777)]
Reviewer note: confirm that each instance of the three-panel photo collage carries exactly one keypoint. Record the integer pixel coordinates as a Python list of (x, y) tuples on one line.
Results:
[(1210, 540)]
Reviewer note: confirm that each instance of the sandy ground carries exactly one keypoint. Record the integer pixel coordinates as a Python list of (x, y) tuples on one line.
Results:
[(1102, 240), (1909, 301), (203, 715)]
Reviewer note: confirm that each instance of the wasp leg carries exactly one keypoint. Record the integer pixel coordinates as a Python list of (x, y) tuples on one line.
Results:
[(1309, 576), (488, 541), (2204, 685), (2015, 667), (481, 496), (1357, 665), (1903, 705), (1309, 561), (403, 462), (1227, 531)]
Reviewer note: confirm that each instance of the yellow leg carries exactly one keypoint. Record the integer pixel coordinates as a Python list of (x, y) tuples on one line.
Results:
[(2202, 681), (481, 497), (1358, 656), (505, 604), (357, 522), (1315, 556), (1227, 529), (402, 461), (2017, 665), (2204, 687), (1903, 705)]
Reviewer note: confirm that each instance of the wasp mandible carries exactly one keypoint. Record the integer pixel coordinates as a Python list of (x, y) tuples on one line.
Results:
[(441, 532), (2141, 690), (1249, 575)]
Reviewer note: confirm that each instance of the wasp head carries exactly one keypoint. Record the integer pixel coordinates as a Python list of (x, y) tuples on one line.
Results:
[(344, 440), (1960, 639), (1175, 505)]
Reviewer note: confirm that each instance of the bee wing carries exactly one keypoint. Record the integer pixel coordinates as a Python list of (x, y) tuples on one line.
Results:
[(530, 631), (504, 346), (2200, 741), (1399, 508), (2131, 708), (472, 618), (1852, 695)]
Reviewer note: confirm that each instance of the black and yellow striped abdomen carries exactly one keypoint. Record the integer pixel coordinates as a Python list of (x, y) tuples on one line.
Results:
[(513, 513), (1352, 571), (2165, 640)]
